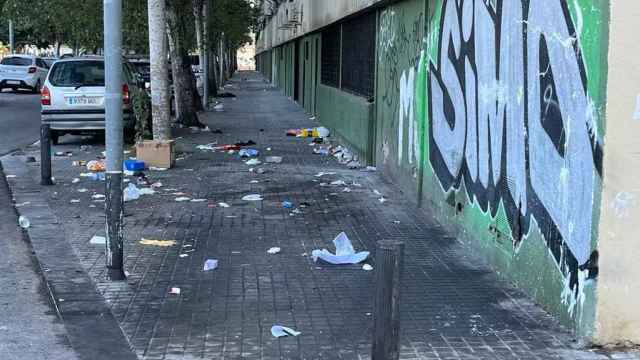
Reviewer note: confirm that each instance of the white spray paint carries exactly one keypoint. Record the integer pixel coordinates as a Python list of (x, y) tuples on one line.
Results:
[(406, 111)]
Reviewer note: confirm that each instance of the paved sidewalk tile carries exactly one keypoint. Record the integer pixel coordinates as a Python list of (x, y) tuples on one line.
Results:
[(453, 307)]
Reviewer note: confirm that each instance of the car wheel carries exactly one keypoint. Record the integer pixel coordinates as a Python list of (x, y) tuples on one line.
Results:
[(36, 89), (55, 137)]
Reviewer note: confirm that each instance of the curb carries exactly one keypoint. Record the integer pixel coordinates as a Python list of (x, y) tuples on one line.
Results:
[(93, 331)]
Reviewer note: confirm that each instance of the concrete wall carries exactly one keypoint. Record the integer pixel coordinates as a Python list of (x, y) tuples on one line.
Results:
[(312, 15), (618, 317)]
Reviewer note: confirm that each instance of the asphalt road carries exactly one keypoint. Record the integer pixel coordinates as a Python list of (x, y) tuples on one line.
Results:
[(19, 120)]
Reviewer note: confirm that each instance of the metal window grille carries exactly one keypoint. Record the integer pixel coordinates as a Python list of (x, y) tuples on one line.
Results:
[(330, 59), (358, 55)]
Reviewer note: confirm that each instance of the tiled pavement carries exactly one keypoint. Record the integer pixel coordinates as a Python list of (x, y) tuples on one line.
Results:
[(452, 306)]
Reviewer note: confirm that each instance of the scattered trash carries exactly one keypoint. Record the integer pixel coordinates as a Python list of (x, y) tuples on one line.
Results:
[(98, 197), (23, 204), (131, 193), (224, 205), (183, 255), (98, 240), (338, 183), (161, 243), (318, 140), (371, 168), (208, 147), (254, 182), (253, 162), (227, 148), (153, 168), (346, 190), (210, 264), (219, 107), (273, 159), (75, 181), (74, 201), (274, 250), (261, 171), (382, 200), (246, 143), (252, 197), (354, 165), (321, 174), (377, 192), (345, 254), (367, 267), (156, 185), (83, 190), (397, 222), (174, 291), (245, 153), (321, 151), (134, 165), (282, 331), (198, 200), (305, 204), (10, 176), (79, 163), (296, 212), (287, 204), (96, 166), (268, 149), (322, 132), (24, 222), (182, 199), (64, 153)]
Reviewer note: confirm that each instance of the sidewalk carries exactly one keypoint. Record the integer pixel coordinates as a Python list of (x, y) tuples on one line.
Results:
[(453, 307)]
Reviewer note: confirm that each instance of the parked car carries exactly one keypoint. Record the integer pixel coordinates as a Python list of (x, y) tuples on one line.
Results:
[(49, 61), (23, 72), (73, 97)]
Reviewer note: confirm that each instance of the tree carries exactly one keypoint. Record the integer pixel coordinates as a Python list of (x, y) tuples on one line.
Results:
[(160, 98), (181, 40)]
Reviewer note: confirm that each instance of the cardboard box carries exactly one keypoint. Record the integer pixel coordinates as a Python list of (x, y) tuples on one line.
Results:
[(156, 153)]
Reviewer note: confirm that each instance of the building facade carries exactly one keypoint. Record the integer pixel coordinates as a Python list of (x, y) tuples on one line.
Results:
[(515, 122)]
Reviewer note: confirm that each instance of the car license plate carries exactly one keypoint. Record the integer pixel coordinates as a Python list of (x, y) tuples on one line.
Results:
[(83, 100), (11, 82)]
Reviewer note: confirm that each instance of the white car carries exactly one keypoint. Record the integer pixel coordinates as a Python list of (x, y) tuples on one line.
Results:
[(73, 97), (23, 72)]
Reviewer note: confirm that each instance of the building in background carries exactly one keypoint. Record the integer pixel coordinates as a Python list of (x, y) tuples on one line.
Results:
[(246, 56), (515, 122)]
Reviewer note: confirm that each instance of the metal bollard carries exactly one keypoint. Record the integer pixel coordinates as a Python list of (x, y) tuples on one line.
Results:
[(386, 332), (45, 155)]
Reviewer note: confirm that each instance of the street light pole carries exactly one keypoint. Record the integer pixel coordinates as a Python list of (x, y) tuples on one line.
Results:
[(11, 41), (114, 137)]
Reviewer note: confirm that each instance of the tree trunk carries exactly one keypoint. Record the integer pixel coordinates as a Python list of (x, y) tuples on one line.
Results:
[(198, 13), (160, 91), (187, 98)]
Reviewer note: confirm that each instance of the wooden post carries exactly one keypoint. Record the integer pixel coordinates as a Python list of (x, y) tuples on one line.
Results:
[(45, 155), (386, 332)]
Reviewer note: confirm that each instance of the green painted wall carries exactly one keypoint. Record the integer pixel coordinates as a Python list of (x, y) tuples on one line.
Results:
[(400, 41), (348, 116)]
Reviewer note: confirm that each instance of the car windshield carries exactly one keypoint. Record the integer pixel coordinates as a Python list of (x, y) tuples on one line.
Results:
[(77, 73), (16, 61)]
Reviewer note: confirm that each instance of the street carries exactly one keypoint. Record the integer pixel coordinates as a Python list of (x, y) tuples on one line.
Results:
[(19, 120)]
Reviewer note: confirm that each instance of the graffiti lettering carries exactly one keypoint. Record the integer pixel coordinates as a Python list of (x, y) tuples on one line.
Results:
[(512, 120)]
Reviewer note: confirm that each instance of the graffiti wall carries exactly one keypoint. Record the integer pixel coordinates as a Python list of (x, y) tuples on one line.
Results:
[(514, 129), (399, 131)]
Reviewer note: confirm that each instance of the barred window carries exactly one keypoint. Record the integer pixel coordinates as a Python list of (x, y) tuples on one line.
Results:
[(330, 60), (358, 55)]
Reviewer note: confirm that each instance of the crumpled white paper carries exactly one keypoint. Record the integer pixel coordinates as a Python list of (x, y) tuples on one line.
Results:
[(281, 331), (345, 254)]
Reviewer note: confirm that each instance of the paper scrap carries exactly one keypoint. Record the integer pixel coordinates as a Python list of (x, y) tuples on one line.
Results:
[(252, 197), (182, 199), (321, 174), (162, 243), (198, 200), (367, 267), (345, 253), (98, 240), (174, 291), (223, 205), (210, 264), (281, 331), (274, 250)]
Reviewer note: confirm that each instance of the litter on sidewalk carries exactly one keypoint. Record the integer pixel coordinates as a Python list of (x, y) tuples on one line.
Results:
[(174, 291), (321, 174), (246, 153), (282, 331), (182, 199), (210, 264), (253, 162), (274, 250), (345, 253), (367, 267), (252, 197), (224, 205), (98, 240), (96, 166), (161, 243), (24, 222)]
